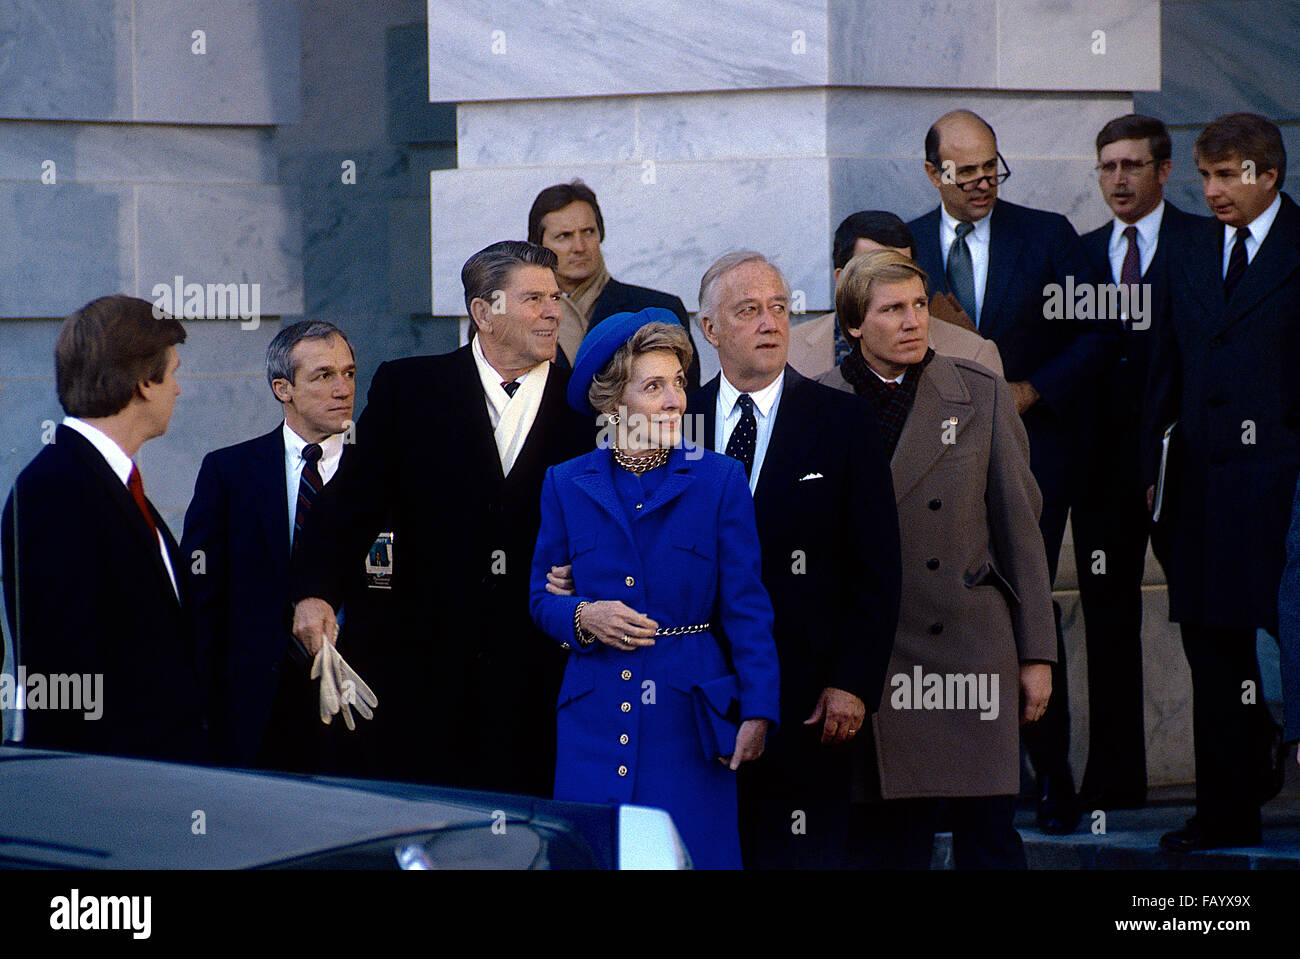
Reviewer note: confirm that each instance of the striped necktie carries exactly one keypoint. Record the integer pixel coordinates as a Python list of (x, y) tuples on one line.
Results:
[(309, 484)]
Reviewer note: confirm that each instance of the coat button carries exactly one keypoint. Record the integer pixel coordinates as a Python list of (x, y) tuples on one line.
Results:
[(623, 739), (629, 581), (936, 629), (932, 563), (622, 770), (626, 707), (626, 674), (639, 505), (935, 503)]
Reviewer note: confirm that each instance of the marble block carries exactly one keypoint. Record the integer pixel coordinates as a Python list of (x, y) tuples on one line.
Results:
[(1055, 44), (914, 43), (66, 60), (65, 245), (662, 234), (249, 74), (496, 50), (1221, 57), (222, 234)]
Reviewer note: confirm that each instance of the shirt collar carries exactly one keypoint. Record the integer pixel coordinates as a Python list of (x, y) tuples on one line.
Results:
[(118, 461), (1148, 229), (980, 233), (491, 379), (331, 447), (1259, 226), (763, 399)]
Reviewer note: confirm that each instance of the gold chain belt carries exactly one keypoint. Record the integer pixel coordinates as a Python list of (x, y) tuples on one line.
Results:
[(683, 630)]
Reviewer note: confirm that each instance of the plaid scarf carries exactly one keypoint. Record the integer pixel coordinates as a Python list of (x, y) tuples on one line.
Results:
[(892, 402)]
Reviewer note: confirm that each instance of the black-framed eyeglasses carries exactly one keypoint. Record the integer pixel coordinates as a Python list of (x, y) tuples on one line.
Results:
[(992, 179), (1127, 167)]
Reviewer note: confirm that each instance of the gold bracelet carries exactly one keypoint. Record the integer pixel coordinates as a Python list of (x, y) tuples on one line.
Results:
[(584, 638)]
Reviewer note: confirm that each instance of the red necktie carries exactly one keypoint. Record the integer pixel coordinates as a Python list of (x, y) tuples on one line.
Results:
[(136, 485)]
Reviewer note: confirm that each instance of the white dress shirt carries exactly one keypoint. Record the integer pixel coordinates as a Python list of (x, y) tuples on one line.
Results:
[(977, 241), (1258, 227), (120, 464), (331, 451), (766, 402), (511, 416), (1147, 239)]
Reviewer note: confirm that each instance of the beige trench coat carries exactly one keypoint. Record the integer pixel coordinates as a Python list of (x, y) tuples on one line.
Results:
[(976, 597)]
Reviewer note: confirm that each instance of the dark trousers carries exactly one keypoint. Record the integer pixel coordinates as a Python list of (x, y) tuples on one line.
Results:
[(899, 833), (1232, 737), (1048, 740), (1113, 531)]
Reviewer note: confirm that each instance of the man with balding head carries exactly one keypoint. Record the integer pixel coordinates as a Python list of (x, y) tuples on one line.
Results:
[(824, 503), (1001, 261)]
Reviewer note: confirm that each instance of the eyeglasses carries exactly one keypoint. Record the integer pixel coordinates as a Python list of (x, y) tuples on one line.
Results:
[(1127, 167), (992, 179)]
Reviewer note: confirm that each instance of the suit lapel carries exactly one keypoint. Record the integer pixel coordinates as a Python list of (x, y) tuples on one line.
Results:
[(597, 481), (941, 397), (793, 432), (1276, 260), (677, 481), (1004, 249), (267, 472), (480, 447), (124, 504)]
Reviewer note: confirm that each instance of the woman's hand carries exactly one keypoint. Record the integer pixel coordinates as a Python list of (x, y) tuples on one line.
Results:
[(1035, 691), (618, 625), (749, 743)]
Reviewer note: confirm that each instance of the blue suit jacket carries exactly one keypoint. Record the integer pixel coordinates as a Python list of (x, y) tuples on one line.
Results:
[(239, 518)]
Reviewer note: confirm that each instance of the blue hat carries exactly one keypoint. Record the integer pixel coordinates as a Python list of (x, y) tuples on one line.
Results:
[(600, 345)]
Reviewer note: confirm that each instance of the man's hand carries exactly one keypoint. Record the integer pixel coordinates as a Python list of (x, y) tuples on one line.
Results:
[(1151, 499), (1035, 691), (946, 307), (313, 623), (843, 714), (618, 625), (1024, 394), (750, 741), (559, 581)]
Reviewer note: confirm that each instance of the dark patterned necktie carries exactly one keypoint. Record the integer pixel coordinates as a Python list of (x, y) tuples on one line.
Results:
[(961, 272), (309, 484), (510, 388), (1130, 271), (745, 436), (1237, 263)]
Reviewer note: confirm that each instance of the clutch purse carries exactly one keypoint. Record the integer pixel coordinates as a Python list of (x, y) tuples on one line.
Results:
[(717, 715)]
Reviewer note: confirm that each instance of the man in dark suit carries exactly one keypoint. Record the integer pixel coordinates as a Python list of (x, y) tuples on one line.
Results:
[(454, 449), (1224, 373), (566, 219), (1109, 518), (1002, 263), (239, 530), (824, 503), (94, 585)]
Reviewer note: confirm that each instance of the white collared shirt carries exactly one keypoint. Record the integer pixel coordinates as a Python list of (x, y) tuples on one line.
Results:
[(1258, 227), (977, 241), (884, 379), (331, 451), (511, 416), (121, 465), (1148, 237), (766, 402)]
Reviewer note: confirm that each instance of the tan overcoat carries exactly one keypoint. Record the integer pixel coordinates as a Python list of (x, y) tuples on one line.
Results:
[(976, 598)]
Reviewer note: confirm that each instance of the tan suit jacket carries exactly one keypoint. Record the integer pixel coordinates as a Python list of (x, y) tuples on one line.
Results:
[(812, 345), (976, 597)]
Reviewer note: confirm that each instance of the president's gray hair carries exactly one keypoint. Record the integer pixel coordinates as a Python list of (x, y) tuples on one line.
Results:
[(279, 355), (724, 265)]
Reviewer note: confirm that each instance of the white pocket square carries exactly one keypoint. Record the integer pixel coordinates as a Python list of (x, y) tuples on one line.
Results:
[(811, 476)]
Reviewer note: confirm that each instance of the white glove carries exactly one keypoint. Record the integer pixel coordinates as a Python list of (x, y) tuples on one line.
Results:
[(353, 691), (322, 668)]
